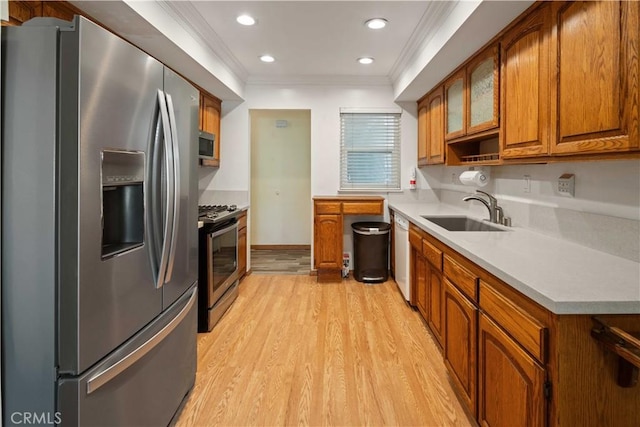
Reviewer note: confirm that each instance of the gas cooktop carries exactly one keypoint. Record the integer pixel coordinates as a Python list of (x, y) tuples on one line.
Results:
[(215, 213)]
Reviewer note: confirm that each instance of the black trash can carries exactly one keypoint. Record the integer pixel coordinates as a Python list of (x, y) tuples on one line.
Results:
[(371, 251)]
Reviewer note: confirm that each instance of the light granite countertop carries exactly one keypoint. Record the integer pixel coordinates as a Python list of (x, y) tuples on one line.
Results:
[(563, 277)]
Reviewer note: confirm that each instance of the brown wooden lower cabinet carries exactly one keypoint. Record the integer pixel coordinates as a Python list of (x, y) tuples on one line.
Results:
[(420, 266), (512, 361), (242, 245), (328, 250), (460, 337), (426, 275), (510, 392), (328, 222), (436, 293)]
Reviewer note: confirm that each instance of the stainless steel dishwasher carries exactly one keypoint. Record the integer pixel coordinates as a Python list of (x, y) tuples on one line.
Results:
[(401, 242)]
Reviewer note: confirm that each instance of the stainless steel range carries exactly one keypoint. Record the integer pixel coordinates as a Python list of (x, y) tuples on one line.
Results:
[(216, 213), (218, 263)]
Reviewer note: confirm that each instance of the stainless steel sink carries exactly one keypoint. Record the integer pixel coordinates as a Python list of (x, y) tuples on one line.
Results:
[(462, 223)]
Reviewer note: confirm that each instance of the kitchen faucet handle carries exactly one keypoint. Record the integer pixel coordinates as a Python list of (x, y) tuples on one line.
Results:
[(491, 198), (499, 215)]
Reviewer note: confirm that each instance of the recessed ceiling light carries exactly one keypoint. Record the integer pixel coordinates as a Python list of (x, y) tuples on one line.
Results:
[(376, 23), (245, 20), (267, 58), (365, 60)]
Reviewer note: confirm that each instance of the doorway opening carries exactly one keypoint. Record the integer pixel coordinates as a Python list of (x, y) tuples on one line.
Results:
[(280, 191)]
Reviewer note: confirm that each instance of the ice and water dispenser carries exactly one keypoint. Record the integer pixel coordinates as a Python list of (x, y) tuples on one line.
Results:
[(122, 201)]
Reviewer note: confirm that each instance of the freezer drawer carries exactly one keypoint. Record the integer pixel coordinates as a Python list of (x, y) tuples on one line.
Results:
[(143, 382)]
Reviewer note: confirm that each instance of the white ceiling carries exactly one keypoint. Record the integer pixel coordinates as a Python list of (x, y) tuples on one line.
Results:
[(314, 42), (309, 38)]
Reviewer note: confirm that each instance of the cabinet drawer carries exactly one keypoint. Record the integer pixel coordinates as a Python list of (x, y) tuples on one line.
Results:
[(432, 254), (526, 330), (463, 278), (362, 208), (328, 207), (415, 237), (242, 221)]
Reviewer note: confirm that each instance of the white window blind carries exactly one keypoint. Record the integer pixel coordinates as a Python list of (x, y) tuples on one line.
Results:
[(370, 151)]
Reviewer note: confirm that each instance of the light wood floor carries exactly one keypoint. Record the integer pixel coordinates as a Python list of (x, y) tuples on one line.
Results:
[(294, 352)]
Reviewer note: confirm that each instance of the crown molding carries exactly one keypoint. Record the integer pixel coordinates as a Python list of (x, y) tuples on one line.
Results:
[(192, 21), (427, 28), (318, 80)]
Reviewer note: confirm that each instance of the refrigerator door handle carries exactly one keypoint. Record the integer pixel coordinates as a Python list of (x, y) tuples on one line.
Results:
[(152, 206), (176, 187), (103, 377), (169, 190)]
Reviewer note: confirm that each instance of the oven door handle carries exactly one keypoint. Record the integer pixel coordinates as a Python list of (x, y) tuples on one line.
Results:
[(224, 230)]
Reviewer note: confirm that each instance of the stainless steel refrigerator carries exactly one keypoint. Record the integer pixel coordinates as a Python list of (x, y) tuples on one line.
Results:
[(99, 229)]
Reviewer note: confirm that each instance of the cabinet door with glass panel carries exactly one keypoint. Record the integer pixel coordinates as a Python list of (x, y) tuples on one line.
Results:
[(482, 91), (455, 104)]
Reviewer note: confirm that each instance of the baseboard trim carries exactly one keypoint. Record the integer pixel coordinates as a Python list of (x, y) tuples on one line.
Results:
[(280, 247)]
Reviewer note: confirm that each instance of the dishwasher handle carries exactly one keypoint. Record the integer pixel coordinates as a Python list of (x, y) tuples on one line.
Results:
[(401, 222)]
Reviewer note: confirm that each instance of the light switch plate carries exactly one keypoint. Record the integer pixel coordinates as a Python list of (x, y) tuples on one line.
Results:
[(567, 185)]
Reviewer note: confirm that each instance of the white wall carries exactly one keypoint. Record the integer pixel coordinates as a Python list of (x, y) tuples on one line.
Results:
[(325, 103), (603, 215), (604, 187)]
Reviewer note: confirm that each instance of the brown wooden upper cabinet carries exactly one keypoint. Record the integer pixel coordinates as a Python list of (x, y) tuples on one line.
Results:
[(431, 128), (455, 106), (22, 11), (471, 96), (570, 80), (595, 92), (483, 91), (561, 82), (210, 108), (525, 84), (435, 127), (422, 132)]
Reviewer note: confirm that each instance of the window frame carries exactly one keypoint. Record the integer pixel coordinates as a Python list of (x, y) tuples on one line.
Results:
[(394, 183)]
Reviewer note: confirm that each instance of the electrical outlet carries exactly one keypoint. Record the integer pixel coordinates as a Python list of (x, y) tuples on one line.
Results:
[(527, 184), (567, 185), (453, 178)]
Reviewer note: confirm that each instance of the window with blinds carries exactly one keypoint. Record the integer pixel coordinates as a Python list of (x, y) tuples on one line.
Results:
[(369, 151)]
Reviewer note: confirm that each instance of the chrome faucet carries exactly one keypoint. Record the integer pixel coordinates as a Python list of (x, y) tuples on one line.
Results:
[(496, 214)]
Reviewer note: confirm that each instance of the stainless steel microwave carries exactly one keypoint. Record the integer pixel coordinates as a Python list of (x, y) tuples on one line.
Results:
[(207, 144)]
